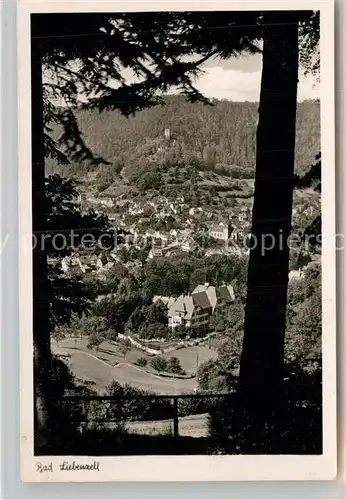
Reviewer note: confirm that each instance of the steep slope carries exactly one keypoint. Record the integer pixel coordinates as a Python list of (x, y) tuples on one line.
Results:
[(221, 135)]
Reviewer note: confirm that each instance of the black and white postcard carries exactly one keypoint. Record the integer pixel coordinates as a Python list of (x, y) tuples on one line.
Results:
[(177, 240)]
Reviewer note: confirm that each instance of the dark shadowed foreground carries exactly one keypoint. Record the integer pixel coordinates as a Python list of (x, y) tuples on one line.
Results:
[(142, 425)]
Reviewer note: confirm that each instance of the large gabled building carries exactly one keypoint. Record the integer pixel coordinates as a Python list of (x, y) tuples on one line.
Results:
[(220, 298), (196, 309)]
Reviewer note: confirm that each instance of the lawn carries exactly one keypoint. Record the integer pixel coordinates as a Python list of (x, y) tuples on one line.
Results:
[(193, 426), (111, 354), (190, 356), (107, 364)]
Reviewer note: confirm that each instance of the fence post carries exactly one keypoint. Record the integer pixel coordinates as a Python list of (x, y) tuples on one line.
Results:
[(175, 418)]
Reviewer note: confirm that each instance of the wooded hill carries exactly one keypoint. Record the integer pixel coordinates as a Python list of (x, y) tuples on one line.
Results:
[(219, 137)]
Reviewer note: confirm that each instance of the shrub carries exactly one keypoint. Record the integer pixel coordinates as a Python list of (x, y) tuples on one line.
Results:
[(207, 371), (159, 364), (179, 332), (149, 180), (142, 361), (195, 406), (218, 324), (174, 365), (154, 330), (135, 409)]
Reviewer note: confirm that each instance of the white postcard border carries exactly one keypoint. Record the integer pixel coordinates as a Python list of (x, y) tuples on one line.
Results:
[(181, 468)]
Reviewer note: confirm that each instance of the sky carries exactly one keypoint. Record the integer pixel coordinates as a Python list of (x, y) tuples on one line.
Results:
[(239, 79)]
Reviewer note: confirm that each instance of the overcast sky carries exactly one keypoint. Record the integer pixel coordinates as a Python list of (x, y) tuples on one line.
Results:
[(239, 79)]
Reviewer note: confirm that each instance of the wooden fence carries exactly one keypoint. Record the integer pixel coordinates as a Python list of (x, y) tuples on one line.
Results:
[(174, 398)]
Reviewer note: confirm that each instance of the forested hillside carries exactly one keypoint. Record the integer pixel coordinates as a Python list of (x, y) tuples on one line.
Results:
[(221, 136)]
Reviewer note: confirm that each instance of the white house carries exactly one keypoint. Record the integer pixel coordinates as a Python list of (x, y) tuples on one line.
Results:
[(155, 252), (219, 231)]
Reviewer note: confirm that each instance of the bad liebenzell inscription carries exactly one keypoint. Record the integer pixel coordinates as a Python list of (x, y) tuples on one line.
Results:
[(68, 466)]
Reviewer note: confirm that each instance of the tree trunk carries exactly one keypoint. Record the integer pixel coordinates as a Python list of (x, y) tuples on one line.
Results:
[(262, 360), (41, 323)]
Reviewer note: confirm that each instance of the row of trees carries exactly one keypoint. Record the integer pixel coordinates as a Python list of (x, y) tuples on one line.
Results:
[(161, 364), (168, 276)]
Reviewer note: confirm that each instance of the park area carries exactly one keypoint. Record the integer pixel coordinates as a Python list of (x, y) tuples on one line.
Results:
[(109, 362)]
